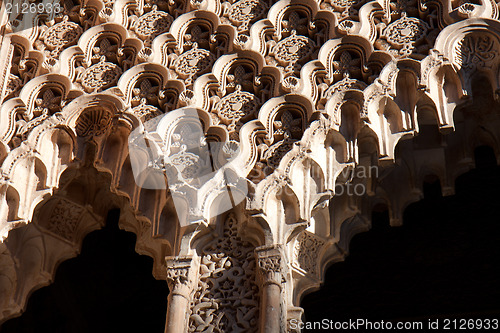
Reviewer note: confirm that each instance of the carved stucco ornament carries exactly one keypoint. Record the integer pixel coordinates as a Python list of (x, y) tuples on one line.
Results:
[(147, 114), (243, 12), (152, 24), (64, 219), (405, 33), (194, 61), (308, 251), (293, 49), (405, 30), (227, 296), (477, 51), (235, 106), (93, 122), (100, 76), (61, 35)]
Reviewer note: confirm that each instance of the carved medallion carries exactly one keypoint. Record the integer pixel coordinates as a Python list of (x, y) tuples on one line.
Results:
[(195, 61), (152, 24), (406, 30), (93, 122), (61, 35), (293, 48), (246, 10), (236, 106), (342, 3), (100, 76)]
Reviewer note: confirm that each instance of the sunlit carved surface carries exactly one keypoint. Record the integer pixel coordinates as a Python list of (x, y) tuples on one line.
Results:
[(336, 106)]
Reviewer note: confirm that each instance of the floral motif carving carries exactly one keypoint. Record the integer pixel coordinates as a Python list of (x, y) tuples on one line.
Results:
[(227, 296), (342, 3), (61, 35), (152, 24), (187, 158), (146, 91), (189, 162), (343, 85), (271, 264), (244, 11), (293, 49), (106, 50), (148, 115), (48, 102), (100, 76), (288, 130), (236, 106), (93, 122), (406, 30), (476, 51), (195, 61), (178, 277), (307, 251)]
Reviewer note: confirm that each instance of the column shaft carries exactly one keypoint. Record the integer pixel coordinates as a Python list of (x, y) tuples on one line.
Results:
[(181, 277), (269, 263)]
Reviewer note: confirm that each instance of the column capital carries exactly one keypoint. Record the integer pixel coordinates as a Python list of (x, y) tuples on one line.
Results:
[(270, 264), (181, 275)]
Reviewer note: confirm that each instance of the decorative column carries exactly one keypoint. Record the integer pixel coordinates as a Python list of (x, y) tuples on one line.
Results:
[(181, 279), (269, 259)]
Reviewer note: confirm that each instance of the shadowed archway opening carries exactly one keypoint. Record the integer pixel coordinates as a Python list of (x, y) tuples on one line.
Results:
[(107, 288), (484, 157), (443, 261)]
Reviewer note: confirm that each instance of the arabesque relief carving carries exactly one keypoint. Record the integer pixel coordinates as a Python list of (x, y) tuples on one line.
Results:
[(227, 296)]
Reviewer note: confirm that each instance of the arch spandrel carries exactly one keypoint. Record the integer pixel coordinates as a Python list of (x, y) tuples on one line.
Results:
[(308, 92)]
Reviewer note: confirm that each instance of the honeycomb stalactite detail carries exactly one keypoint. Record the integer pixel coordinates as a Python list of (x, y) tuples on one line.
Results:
[(299, 96)]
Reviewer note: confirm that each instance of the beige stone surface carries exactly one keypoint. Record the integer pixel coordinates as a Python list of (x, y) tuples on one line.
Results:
[(311, 93)]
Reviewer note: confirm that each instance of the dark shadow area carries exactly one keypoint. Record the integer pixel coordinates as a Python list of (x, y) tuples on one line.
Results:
[(432, 188), (443, 262), (484, 157), (107, 288)]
